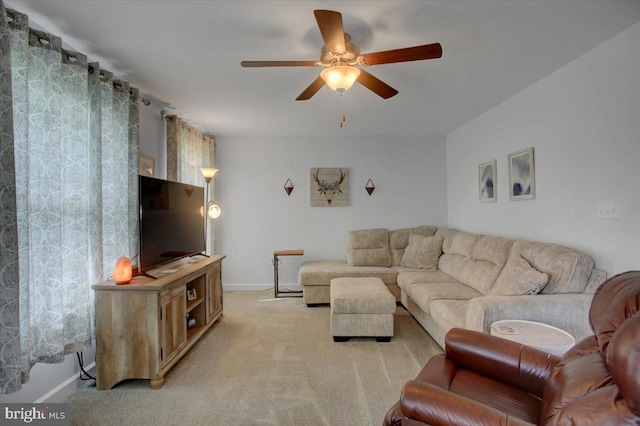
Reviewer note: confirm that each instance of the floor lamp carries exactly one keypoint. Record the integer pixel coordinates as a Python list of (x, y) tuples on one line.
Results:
[(212, 209)]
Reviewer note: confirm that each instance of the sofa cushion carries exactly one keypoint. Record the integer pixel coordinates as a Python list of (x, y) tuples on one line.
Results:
[(369, 247), (448, 234), (459, 254), (449, 313), (423, 294), (407, 278), (568, 269), (321, 272), (400, 269), (487, 260), (464, 243), (422, 252), (596, 278), (399, 240), (519, 278)]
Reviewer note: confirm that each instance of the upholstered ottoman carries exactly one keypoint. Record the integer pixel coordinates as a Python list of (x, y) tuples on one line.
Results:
[(361, 307)]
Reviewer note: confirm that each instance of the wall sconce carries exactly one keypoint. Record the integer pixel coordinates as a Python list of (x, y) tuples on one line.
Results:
[(288, 186), (370, 187), (122, 271)]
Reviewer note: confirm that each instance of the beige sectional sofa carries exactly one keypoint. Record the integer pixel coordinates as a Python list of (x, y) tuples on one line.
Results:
[(448, 278)]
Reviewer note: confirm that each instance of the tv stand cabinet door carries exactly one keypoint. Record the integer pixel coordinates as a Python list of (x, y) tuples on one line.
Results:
[(214, 292), (126, 323), (173, 323)]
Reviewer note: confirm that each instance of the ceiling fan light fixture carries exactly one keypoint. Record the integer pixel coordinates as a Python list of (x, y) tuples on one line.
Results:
[(340, 77)]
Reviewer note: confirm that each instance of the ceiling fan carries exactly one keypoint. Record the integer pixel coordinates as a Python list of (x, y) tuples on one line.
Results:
[(339, 57)]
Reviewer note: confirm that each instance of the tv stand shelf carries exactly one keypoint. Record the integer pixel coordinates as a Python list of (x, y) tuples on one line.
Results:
[(142, 327)]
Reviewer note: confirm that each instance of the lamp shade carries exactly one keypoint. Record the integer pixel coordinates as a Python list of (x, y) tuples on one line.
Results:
[(213, 210), (208, 173), (340, 77), (122, 271)]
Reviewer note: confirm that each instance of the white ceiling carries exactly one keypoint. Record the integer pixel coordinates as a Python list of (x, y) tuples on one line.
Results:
[(187, 54)]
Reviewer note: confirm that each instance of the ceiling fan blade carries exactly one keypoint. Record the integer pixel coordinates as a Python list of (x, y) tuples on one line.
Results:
[(330, 24), (417, 53), (251, 64), (313, 88), (376, 85)]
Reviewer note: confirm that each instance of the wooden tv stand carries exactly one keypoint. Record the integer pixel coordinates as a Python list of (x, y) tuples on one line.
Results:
[(141, 327)]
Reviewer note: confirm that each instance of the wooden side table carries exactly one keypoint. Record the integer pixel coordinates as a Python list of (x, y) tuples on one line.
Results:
[(535, 334), (276, 255)]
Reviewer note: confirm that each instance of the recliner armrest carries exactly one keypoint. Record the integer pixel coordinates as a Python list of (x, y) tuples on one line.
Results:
[(509, 362), (435, 406)]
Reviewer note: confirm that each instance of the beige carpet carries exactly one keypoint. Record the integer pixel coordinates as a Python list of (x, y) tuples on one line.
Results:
[(269, 362)]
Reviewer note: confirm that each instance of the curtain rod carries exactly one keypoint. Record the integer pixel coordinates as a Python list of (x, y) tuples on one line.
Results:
[(42, 38), (145, 101)]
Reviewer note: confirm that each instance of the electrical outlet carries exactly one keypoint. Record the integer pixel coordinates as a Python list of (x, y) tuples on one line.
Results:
[(608, 211)]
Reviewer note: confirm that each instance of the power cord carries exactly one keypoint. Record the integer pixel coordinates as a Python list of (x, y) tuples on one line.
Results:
[(81, 362)]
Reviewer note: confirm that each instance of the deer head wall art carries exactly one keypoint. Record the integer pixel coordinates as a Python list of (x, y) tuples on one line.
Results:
[(329, 187)]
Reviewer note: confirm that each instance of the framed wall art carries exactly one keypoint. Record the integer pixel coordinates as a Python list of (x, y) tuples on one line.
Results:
[(522, 183), (146, 165), (487, 179), (329, 187)]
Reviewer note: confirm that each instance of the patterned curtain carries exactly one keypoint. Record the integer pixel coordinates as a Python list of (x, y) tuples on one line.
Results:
[(69, 194), (9, 291), (187, 151)]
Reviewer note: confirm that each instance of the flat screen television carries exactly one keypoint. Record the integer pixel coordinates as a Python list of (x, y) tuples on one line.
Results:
[(171, 222)]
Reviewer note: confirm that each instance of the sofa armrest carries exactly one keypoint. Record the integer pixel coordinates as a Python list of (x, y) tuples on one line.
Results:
[(569, 312), (431, 405), (503, 360)]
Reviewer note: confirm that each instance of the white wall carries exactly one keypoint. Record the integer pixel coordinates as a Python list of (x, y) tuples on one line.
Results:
[(258, 217), (153, 137), (584, 124)]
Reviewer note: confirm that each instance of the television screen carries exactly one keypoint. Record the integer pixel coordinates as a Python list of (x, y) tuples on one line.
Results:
[(171, 221)]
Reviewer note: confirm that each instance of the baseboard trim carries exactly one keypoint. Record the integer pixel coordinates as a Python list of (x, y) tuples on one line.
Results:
[(44, 398)]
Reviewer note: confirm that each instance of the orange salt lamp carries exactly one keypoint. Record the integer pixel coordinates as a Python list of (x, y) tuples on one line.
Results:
[(122, 271)]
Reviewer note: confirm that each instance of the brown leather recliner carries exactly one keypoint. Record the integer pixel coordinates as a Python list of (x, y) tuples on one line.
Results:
[(486, 380)]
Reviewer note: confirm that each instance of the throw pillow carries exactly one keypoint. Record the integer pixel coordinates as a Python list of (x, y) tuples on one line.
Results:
[(519, 278), (422, 252)]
